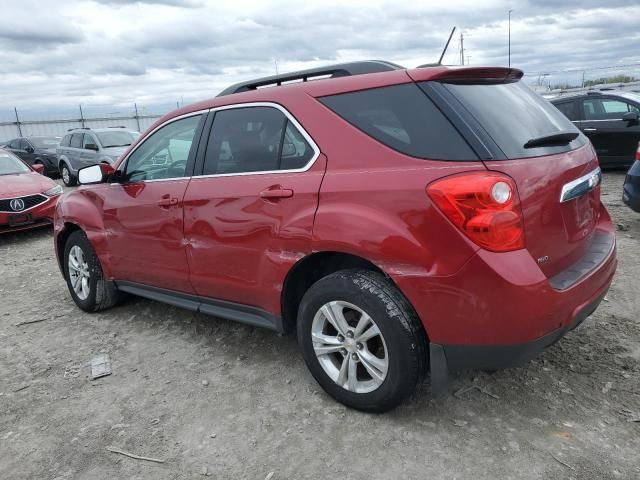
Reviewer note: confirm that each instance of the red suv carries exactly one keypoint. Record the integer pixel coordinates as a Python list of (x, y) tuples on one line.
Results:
[(400, 220)]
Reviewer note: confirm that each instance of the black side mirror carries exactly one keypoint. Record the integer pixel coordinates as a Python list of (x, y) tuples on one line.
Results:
[(91, 146), (29, 149), (631, 117)]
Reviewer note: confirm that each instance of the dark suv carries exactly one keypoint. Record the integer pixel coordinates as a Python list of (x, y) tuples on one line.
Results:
[(400, 220), (609, 119), (37, 150)]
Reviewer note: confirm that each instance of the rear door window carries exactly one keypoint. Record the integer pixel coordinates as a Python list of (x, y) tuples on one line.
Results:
[(512, 114), (255, 139), (76, 140), (403, 118)]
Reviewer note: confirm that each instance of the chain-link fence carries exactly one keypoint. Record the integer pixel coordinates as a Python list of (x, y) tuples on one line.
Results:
[(22, 123)]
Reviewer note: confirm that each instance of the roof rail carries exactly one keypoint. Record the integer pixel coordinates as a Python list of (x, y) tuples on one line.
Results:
[(593, 92), (330, 71), (118, 126), (78, 128)]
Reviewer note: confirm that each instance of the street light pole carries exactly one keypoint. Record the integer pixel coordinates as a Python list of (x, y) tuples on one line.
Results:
[(510, 38)]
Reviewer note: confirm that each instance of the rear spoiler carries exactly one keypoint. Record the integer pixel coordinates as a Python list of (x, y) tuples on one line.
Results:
[(468, 75)]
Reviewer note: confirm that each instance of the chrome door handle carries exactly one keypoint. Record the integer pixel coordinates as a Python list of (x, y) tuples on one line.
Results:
[(590, 129)]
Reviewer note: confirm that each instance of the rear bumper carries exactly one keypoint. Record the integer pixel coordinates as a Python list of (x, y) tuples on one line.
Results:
[(495, 357)]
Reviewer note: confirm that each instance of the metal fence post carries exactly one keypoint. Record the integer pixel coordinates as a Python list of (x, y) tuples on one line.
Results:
[(18, 122), (81, 117), (135, 105)]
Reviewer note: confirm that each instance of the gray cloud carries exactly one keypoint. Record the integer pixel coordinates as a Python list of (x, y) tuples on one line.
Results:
[(170, 3), (119, 51)]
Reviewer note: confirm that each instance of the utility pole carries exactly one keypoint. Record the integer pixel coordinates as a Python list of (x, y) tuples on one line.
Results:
[(81, 116), (510, 38), (275, 61), (461, 49), (18, 121), (135, 105)]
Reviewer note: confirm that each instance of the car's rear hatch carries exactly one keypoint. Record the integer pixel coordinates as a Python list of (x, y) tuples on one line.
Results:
[(518, 133)]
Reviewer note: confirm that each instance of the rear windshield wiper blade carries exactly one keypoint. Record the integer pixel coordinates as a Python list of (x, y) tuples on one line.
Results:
[(560, 138)]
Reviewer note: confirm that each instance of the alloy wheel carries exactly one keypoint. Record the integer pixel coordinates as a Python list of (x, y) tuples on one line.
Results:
[(79, 274), (349, 347)]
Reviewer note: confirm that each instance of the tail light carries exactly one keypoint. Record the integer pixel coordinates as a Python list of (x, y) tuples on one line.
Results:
[(638, 153), (485, 206)]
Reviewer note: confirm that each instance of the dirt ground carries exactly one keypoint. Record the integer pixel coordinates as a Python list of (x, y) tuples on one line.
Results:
[(208, 396)]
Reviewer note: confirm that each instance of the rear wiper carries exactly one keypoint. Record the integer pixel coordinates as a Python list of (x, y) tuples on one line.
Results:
[(560, 138)]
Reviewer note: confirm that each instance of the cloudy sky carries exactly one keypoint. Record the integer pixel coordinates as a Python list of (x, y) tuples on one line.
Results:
[(156, 52)]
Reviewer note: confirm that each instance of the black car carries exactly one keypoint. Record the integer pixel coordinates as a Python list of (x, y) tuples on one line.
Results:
[(631, 188), (611, 120), (37, 149)]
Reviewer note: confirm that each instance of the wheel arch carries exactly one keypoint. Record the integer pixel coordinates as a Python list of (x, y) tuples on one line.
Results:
[(311, 268)]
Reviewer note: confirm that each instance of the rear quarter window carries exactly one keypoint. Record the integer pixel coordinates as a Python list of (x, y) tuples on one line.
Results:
[(403, 118)]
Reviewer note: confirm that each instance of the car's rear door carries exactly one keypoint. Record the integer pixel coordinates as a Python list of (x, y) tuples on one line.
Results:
[(249, 215), (143, 213)]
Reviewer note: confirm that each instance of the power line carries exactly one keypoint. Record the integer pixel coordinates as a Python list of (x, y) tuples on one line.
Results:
[(578, 70)]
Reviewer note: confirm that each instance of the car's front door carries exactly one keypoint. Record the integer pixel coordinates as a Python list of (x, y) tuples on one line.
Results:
[(249, 216), (614, 139), (27, 152), (143, 212)]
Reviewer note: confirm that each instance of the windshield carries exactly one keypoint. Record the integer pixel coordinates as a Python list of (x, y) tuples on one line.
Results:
[(10, 165), (117, 138), (45, 142), (512, 114)]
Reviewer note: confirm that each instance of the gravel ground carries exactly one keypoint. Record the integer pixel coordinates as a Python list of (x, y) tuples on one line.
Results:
[(208, 396)]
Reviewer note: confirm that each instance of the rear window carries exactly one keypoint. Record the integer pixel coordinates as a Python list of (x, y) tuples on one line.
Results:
[(402, 117), (512, 114)]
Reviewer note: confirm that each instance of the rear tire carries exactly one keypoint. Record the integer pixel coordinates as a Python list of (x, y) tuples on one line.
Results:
[(372, 372), (67, 177), (88, 287)]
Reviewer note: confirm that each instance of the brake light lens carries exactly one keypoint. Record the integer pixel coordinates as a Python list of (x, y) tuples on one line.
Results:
[(638, 152), (485, 206)]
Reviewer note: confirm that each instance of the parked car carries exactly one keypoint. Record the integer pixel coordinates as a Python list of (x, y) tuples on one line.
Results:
[(27, 198), (387, 215), (37, 150), (82, 147), (631, 188), (610, 119)]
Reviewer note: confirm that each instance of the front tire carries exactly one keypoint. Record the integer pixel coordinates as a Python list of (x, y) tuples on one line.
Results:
[(88, 287), (361, 340), (67, 177)]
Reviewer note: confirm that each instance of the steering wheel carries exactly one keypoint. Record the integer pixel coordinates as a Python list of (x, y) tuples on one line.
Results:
[(177, 168)]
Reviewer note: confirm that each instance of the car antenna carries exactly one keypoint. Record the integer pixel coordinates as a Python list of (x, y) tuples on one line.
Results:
[(443, 52), (446, 45)]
